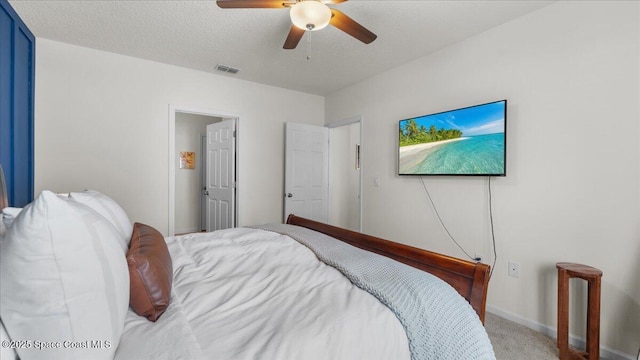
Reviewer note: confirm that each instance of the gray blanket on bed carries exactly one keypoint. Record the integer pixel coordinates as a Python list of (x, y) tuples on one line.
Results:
[(440, 324)]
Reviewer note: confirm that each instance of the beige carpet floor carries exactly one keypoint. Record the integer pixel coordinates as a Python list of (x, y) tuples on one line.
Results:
[(513, 341)]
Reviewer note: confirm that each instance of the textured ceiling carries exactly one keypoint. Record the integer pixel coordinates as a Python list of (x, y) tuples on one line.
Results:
[(199, 35)]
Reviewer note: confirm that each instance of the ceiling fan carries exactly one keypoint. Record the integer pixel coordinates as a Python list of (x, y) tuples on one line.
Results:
[(307, 15)]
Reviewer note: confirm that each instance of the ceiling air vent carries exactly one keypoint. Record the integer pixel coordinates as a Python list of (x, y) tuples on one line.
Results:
[(227, 69)]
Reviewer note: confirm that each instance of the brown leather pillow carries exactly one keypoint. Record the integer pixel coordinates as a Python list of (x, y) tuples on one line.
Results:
[(150, 272)]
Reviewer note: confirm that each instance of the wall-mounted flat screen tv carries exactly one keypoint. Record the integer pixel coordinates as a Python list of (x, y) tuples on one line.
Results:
[(470, 141)]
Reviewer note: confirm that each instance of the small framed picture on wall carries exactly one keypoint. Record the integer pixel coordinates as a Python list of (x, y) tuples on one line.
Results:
[(187, 160)]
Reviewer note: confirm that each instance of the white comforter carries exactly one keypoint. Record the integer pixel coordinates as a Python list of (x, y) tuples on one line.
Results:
[(252, 294)]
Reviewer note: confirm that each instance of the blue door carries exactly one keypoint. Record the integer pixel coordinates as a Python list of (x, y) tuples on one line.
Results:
[(17, 71)]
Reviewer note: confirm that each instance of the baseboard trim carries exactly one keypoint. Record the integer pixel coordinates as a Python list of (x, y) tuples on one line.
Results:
[(186, 231), (576, 341)]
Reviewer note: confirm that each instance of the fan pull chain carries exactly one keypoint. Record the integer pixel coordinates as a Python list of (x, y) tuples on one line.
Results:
[(308, 45)]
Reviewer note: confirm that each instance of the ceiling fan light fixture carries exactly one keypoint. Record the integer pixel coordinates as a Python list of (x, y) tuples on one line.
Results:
[(310, 15)]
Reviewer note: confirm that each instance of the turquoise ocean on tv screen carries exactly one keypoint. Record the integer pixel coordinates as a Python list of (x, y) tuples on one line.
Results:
[(482, 154)]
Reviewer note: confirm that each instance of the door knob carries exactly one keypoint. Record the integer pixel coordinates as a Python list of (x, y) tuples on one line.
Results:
[(289, 195)]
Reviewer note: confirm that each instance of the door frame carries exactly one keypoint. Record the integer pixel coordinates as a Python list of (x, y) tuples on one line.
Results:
[(347, 122), (173, 109)]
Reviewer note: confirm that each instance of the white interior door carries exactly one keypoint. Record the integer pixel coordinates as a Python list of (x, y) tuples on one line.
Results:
[(306, 180), (220, 185), (203, 182)]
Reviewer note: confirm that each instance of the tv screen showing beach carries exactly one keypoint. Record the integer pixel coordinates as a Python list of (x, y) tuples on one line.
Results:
[(467, 141)]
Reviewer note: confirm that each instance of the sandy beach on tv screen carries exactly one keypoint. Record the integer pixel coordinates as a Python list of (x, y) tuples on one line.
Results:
[(412, 155)]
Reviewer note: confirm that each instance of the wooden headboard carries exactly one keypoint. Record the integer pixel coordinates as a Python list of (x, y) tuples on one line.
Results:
[(470, 279)]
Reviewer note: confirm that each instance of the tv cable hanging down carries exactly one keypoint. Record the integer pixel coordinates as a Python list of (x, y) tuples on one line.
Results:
[(493, 237)]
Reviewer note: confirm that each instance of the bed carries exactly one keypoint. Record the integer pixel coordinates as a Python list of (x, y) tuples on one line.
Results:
[(470, 279), (78, 280)]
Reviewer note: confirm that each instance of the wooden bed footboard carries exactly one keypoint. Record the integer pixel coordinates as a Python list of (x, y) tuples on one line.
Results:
[(470, 279)]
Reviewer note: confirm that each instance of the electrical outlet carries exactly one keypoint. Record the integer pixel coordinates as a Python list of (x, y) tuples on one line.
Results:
[(514, 269)]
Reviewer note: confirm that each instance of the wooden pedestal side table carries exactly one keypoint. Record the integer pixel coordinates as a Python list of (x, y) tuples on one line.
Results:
[(592, 275)]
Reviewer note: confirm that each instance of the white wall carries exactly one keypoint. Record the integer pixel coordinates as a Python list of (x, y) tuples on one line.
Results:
[(102, 122), (570, 72)]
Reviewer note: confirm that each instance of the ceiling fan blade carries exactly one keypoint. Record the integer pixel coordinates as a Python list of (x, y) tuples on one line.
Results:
[(295, 34), (351, 27), (239, 4)]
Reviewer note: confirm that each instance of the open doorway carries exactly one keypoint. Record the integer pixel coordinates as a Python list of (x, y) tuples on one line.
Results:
[(345, 181), (191, 175), (321, 158), (191, 129)]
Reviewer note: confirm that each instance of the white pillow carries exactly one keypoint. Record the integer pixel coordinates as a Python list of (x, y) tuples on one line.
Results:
[(7, 215), (63, 277), (6, 352), (108, 208)]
